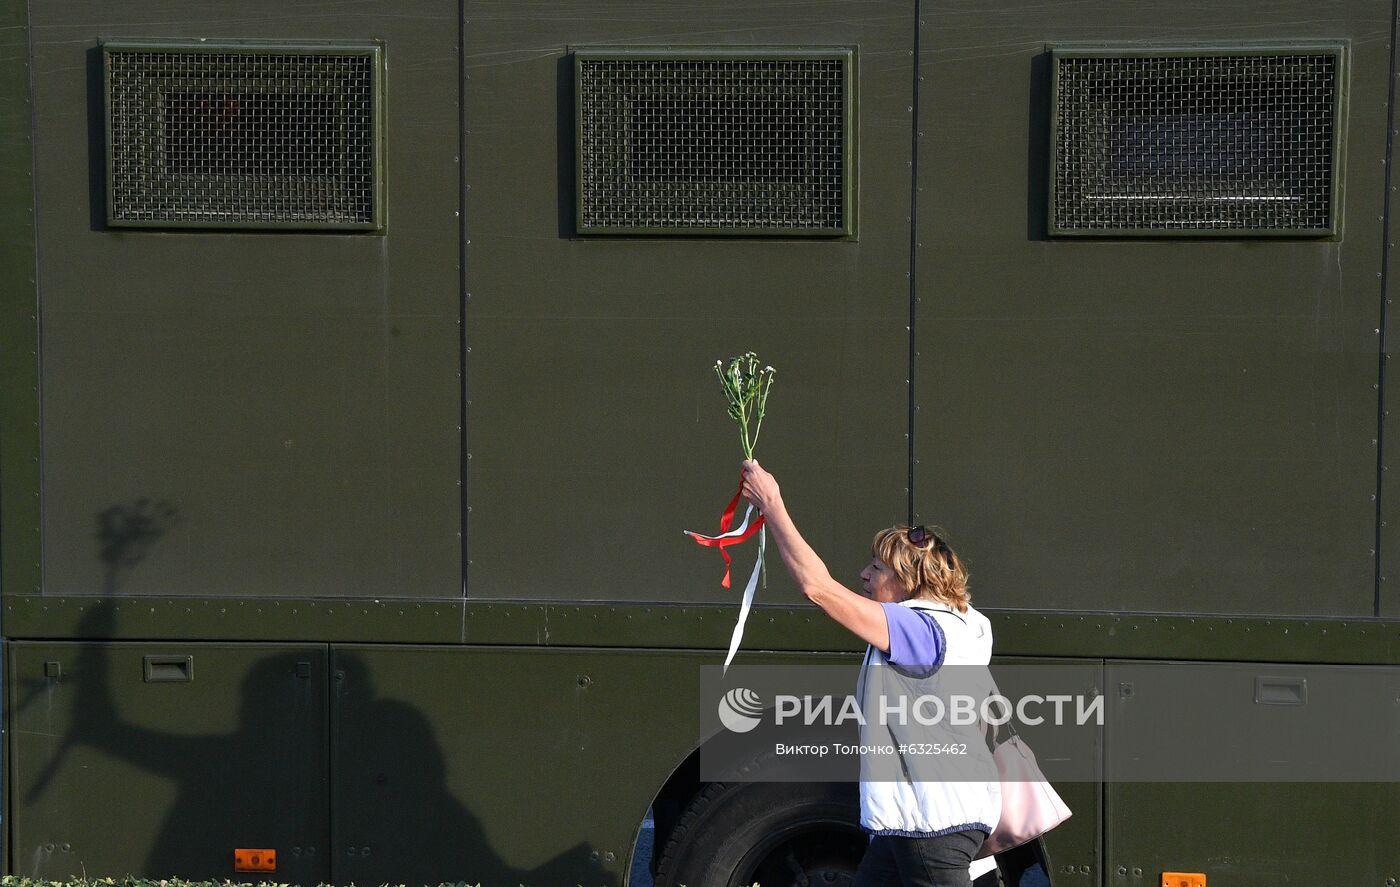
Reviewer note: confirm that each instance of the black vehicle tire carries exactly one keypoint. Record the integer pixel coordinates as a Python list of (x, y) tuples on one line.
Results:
[(777, 834)]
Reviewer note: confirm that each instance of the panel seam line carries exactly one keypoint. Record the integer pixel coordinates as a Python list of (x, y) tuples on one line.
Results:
[(1384, 293), (913, 257)]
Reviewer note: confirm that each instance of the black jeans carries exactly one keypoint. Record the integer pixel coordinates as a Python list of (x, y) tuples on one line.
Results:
[(919, 862)]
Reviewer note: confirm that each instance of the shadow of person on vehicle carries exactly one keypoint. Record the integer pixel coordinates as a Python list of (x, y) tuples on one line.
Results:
[(258, 785), (393, 799), (306, 748), (125, 534)]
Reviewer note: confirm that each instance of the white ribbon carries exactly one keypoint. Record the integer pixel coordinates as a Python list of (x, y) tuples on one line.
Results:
[(738, 531), (748, 596)]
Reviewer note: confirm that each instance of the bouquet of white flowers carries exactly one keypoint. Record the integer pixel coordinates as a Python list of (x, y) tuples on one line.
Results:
[(746, 388)]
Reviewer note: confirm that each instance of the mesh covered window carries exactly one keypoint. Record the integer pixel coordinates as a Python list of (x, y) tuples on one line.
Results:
[(714, 142), (1202, 143), (243, 136)]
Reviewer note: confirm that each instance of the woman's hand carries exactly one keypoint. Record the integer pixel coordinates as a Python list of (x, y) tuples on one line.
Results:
[(761, 488)]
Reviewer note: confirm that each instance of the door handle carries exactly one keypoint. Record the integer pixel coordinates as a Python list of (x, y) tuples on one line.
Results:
[(1280, 691), (168, 669)]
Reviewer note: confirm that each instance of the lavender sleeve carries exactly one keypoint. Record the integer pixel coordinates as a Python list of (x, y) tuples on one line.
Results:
[(916, 639)]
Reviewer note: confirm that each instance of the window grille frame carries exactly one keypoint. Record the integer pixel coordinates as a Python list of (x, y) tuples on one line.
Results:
[(373, 50), (1338, 50), (846, 55)]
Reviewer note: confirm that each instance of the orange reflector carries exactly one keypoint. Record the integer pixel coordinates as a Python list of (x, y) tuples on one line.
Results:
[(1183, 879), (255, 860)]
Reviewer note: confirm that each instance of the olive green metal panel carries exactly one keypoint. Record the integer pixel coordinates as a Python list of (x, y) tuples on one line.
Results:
[(596, 429), (502, 766), (700, 628), (1254, 835), (251, 414), (1182, 426), (240, 619), (224, 746), (1335, 641), (1240, 835), (19, 327), (19, 346)]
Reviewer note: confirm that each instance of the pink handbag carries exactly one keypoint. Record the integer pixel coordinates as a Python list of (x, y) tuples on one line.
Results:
[(1029, 806)]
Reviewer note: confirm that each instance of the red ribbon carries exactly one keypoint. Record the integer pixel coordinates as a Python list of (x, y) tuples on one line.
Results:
[(724, 521)]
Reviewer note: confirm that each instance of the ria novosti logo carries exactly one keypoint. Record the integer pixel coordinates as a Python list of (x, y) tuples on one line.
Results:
[(740, 710)]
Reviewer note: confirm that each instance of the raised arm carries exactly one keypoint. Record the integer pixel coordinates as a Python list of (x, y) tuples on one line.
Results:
[(862, 616)]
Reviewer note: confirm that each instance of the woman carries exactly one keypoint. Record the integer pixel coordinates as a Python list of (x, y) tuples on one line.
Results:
[(916, 618)]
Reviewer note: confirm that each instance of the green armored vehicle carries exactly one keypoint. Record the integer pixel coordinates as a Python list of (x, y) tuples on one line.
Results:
[(356, 389)]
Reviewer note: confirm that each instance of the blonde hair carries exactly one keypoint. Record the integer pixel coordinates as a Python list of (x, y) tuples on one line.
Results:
[(930, 570)]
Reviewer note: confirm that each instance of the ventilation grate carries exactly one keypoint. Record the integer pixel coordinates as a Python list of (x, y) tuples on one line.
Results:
[(714, 143), (1218, 142), (242, 137)]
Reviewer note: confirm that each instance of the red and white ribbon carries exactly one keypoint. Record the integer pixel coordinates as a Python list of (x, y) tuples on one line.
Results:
[(723, 540)]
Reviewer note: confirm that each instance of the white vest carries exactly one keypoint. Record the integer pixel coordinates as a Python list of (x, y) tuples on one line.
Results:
[(902, 804)]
